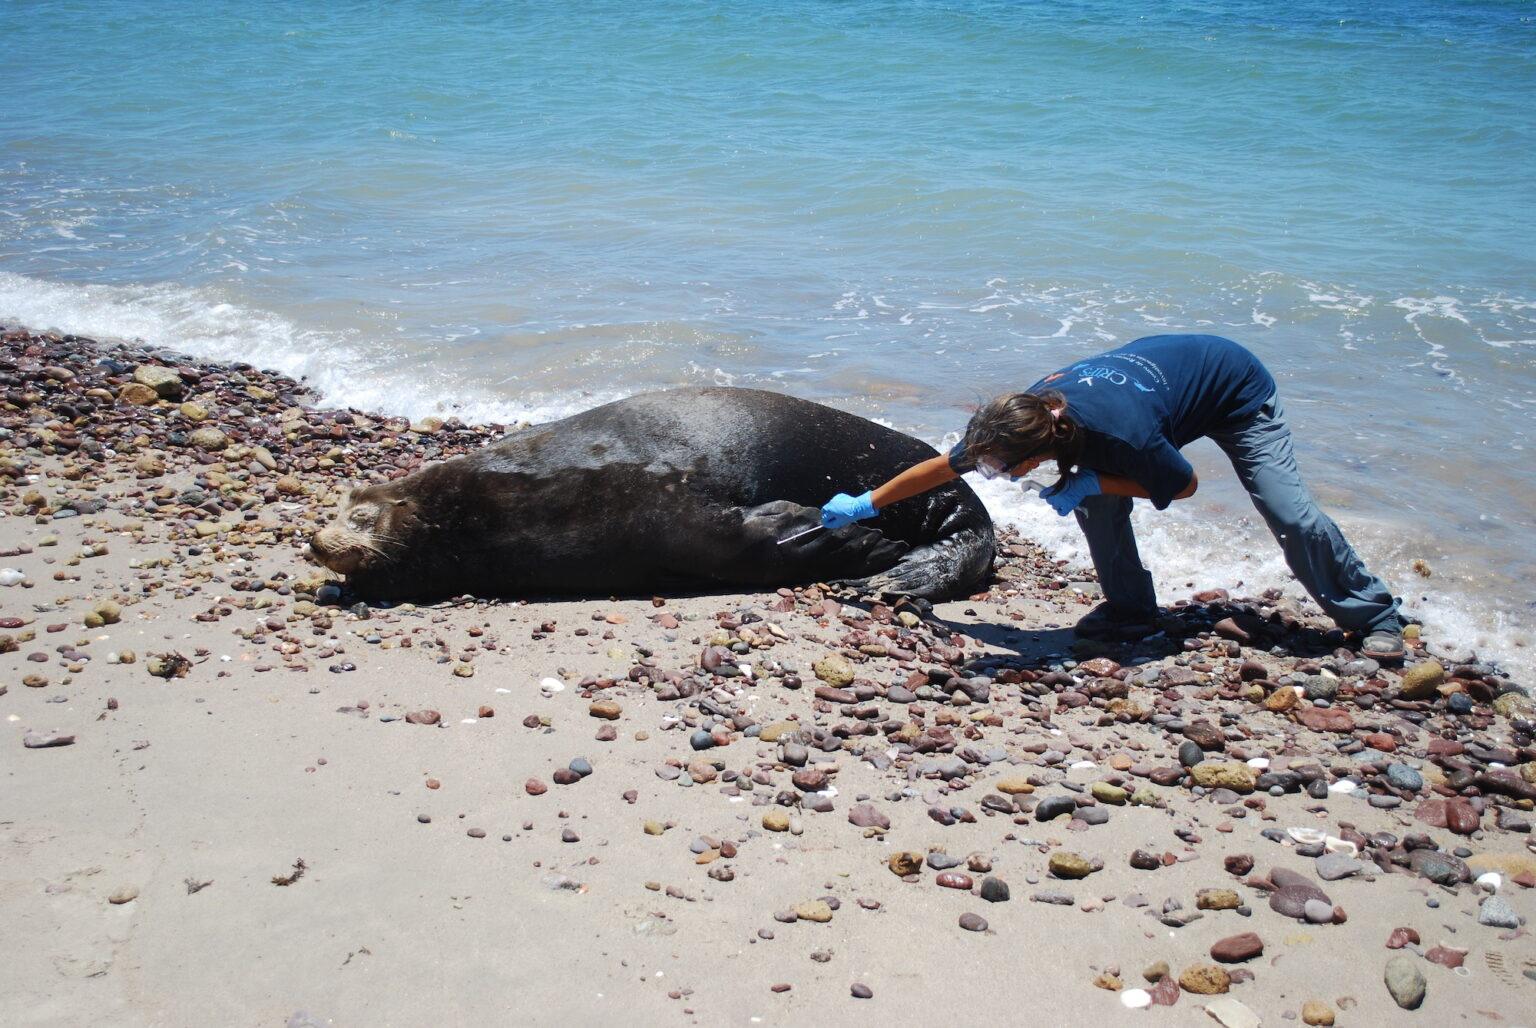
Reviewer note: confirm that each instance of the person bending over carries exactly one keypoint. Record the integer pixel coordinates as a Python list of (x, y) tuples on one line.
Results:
[(1114, 425)]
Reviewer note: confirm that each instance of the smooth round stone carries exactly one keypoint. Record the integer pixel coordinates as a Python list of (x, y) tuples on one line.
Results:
[(1292, 900), (1317, 912), (582, 766), (1459, 703), (973, 922), (1385, 802), (1093, 815), (1190, 753), (1333, 866), (1320, 687), (1404, 777), (861, 991), (1054, 806), (701, 740)]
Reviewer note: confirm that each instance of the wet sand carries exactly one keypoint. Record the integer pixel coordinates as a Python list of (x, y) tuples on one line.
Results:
[(413, 758)]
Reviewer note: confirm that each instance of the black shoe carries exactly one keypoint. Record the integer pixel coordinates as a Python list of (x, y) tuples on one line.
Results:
[(1115, 624)]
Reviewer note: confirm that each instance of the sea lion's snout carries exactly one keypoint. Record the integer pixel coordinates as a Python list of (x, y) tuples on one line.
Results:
[(347, 545), (328, 551)]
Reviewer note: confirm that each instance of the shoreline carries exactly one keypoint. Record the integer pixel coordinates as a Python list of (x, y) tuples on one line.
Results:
[(629, 859)]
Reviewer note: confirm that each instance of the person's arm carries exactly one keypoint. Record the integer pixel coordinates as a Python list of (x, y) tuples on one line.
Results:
[(917, 479), (843, 509), (1116, 485)]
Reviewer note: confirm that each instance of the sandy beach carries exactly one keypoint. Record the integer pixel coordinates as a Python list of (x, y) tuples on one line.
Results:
[(235, 795)]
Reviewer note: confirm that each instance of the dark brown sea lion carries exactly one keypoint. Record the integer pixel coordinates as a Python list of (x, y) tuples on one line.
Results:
[(687, 488)]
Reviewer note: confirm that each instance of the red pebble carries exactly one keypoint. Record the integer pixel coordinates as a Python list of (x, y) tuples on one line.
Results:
[(486, 712), (1446, 956), (534, 787), (1401, 937)]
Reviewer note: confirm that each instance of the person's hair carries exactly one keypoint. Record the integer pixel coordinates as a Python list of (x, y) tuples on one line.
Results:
[(1021, 426)]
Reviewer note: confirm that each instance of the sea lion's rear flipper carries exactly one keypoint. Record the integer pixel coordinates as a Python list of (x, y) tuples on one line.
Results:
[(955, 565)]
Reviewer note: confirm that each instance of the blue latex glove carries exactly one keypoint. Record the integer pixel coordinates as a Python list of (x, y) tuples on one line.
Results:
[(843, 509), (1073, 490)]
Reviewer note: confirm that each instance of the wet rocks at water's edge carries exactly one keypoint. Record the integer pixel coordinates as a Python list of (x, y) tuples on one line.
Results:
[(1243, 778)]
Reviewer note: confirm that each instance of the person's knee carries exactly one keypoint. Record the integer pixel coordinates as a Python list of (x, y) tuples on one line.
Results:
[(1295, 515)]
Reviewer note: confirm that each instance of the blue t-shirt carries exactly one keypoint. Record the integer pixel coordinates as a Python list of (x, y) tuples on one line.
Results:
[(1136, 406)]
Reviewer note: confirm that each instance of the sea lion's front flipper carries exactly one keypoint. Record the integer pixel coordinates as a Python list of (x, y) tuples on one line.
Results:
[(776, 545)]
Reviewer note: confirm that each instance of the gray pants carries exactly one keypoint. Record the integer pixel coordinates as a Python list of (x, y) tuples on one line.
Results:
[(1317, 552)]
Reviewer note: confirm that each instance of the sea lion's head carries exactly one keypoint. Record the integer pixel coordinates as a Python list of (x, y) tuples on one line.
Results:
[(373, 529)]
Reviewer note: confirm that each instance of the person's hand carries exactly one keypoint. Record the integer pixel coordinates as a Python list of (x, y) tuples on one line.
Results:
[(1072, 490), (843, 509)]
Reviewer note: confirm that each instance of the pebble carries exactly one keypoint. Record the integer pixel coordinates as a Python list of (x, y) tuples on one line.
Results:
[(1111, 794), (817, 911), (1405, 982), (1404, 777), (994, 890), (1053, 807), (126, 894), (973, 922), (862, 815), (1496, 913), (861, 991), (1333, 866), (1237, 948), (1291, 900), (1317, 911), (1217, 899), (1316, 1012), (1205, 980), (1064, 864)]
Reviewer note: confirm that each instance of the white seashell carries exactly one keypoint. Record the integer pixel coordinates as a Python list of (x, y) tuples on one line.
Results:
[(1259, 763), (1336, 845), (1136, 999), (1307, 836), (1490, 881)]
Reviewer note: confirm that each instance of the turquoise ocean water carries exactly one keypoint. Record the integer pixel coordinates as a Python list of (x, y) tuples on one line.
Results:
[(503, 210)]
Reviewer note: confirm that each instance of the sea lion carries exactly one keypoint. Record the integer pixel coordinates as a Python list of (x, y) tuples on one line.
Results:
[(684, 488)]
